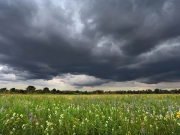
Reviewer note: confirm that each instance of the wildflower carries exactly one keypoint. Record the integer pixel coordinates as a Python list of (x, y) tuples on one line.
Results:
[(37, 123), (114, 102), (50, 116), (128, 133), (142, 131), (178, 115), (18, 119), (51, 123), (14, 114), (21, 115), (23, 126), (170, 111), (55, 112), (30, 116), (86, 120), (62, 115), (60, 121), (7, 121), (160, 116), (46, 130), (167, 116), (2, 109), (127, 109)]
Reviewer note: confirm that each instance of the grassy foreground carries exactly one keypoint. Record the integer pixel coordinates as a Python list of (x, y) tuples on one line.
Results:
[(89, 115)]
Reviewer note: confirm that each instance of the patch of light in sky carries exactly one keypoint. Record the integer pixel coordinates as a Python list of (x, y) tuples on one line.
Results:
[(168, 7), (77, 23), (60, 3), (1, 67)]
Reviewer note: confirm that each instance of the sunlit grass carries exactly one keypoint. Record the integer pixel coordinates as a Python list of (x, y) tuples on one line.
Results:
[(89, 114)]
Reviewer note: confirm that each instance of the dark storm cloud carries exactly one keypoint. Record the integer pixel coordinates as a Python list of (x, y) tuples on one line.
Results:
[(111, 40), (143, 23)]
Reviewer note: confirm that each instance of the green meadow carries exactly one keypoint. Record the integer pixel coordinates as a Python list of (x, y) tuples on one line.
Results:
[(89, 114)]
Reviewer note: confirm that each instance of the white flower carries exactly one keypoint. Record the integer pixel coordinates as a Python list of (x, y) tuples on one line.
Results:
[(37, 123), (23, 126), (49, 116), (55, 112), (14, 114), (62, 115)]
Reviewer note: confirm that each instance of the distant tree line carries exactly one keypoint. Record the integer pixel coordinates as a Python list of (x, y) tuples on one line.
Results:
[(32, 89)]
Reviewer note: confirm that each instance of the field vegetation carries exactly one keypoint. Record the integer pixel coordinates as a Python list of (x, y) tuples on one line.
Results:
[(89, 114)]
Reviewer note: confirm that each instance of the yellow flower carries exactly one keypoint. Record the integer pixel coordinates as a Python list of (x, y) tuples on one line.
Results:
[(76, 119), (18, 119), (178, 115), (167, 116), (51, 123)]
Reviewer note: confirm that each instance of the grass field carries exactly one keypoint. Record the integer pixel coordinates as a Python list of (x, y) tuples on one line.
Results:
[(89, 114)]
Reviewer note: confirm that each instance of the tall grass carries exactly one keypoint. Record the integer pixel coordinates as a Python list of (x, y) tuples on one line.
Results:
[(89, 115)]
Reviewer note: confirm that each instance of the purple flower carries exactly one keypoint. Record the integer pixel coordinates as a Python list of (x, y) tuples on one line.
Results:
[(170, 111), (133, 105), (142, 131), (113, 103), (127, 108), (2, 109), (30, 116)]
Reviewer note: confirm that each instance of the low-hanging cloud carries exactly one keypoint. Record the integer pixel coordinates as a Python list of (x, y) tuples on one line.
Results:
[(82, 80), (105, 41)]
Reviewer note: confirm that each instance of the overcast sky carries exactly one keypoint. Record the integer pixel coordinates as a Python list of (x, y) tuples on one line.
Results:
[(90, 44)]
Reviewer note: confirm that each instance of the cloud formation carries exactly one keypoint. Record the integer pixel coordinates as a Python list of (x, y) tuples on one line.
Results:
[(92, 42), (82, 80)]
